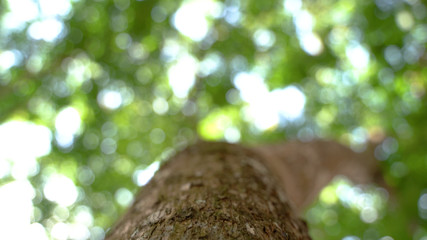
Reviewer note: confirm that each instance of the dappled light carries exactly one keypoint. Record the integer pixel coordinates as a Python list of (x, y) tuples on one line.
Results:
[(141, 177), (48, 28), (21, 144), (123, 197), (268, 109), (110, 99), (368, 204), (61, 190), (182, 75), (422, 206), (191, 18), (9, 59), (95, 95), (67, 124)]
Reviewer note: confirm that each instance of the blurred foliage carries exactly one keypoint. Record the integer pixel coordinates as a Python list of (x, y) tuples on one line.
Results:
[(135, 81)]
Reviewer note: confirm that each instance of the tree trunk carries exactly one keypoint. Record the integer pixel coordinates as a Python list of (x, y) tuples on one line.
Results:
[(304, 168), (212, 191)]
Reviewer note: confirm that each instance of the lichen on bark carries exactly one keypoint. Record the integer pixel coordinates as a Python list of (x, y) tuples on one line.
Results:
[(211, 191)]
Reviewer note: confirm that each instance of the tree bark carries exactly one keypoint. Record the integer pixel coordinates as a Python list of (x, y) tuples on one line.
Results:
[(304, 168), (212, 191)]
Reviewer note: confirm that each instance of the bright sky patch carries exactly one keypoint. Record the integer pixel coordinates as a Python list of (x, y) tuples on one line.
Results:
[(110, 99), (60, 189), (182, 75), (190, 19), (268, 109), (67, 124), (48, 12), (358, 56), (18, 135), (16, 207), (141, 177)]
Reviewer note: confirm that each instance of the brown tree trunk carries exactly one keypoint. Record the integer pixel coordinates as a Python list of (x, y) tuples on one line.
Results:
[(304, 168), (212, 191)]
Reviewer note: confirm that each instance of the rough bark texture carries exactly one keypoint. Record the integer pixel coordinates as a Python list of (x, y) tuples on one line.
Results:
[(211, 191)]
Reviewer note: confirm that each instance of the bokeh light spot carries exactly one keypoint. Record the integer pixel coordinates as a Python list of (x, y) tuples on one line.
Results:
[(369, 214), (16, 208), (53, 8), (182, 75), (264, 39), (284, 105), (19, 15), (405, 20), (160, 106), (123, 197), (67, 124), (190, 18), (292, 6), (157, 135), (47, 30), (158, 14), (141, 177), (311, 43), (18, 135), (108, 146), (8, 59), (60, 189), (110, 99), (232, 134), (123, 41), (422, 206), (358, 56)]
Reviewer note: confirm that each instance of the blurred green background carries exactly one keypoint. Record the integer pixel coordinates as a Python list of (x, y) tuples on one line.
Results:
[(94, 94)]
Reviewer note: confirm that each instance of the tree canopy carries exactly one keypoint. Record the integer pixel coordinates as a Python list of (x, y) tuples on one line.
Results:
[(94, 94)]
